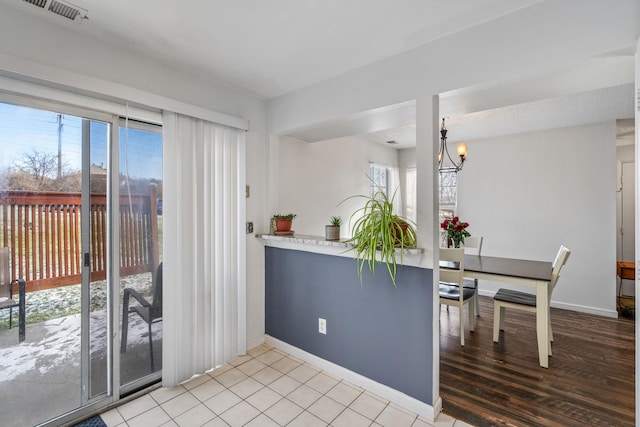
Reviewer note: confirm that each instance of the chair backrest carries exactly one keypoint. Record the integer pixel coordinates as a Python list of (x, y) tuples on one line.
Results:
[(156, 304), (473, 245), (561, 259), (5, 274), (453, 269)]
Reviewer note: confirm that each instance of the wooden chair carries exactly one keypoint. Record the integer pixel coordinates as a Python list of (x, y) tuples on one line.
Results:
[(150, 312), (473, 246), (524, 301), (7, 292), (451, 285)]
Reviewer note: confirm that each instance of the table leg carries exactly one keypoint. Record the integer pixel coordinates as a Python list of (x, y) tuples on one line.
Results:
[(542, 322)]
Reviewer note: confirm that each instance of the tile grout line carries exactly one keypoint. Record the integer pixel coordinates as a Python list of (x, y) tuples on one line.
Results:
[(250, 357), (317, 372)]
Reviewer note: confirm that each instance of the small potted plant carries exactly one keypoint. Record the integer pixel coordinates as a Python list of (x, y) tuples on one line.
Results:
[(281, 223), (332, 231)]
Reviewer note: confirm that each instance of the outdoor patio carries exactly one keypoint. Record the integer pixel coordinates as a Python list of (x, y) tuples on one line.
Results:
[(45, 368)]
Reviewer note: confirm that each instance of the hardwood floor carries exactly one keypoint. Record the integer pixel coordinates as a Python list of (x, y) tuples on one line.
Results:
[(590, 380)]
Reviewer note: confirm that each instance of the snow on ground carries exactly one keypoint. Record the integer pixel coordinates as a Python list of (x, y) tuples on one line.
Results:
[(56, 342)]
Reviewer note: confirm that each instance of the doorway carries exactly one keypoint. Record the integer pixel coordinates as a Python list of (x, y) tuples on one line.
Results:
[(626, 199)]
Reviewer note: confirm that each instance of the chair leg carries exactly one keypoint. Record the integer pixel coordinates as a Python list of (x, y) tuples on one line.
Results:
[(550, 336), (475, 299), (123, 336), (461, 315), (123, 333), (498, 311), (10, 316), (472, 317), (151, 348), (125, 322)]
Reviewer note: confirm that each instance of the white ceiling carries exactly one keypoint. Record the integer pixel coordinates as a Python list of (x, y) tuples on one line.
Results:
[(269, 48), (273, 47)]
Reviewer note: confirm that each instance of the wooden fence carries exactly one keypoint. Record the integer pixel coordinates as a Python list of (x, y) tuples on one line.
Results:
[(43, 233)]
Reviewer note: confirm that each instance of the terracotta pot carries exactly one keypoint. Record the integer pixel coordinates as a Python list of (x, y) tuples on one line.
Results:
[(403, 226), (283, 224)]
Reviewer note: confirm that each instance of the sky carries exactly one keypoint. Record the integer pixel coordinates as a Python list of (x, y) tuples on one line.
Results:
[(23, 130)]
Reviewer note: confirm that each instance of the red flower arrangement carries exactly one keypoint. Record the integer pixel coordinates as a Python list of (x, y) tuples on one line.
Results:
[(456, 230)]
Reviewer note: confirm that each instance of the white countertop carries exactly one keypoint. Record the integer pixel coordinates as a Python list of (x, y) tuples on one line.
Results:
[(319, 244)]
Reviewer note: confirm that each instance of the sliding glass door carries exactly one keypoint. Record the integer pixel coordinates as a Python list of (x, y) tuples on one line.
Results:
[(81, 227)]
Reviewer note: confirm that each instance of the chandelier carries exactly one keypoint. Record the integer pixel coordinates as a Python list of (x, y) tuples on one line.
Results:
[(450, 165)]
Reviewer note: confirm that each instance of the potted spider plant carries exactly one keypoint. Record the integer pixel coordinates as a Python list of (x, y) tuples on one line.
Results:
[(377, 233), (332, 231)]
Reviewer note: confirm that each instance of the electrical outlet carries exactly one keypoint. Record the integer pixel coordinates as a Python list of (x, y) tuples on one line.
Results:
[(249, 227), (322, 326)]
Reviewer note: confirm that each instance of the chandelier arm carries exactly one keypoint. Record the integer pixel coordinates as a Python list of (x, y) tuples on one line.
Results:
[(457, 166)]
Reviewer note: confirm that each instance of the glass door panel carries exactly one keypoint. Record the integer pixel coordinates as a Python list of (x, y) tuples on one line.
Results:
[(47, 187), (140, 254)]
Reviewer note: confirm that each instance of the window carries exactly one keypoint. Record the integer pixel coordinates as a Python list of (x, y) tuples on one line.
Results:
[(448, 196), (378, 174), (387, 180), (410, 206)]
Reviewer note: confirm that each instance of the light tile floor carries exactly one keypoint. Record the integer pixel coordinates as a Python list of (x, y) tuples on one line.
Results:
[(266, 388)]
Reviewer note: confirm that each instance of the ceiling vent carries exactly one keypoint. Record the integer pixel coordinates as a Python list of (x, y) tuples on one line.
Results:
[(61, 8)]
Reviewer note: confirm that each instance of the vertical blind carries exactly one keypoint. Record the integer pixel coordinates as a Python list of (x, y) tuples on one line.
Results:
[(204, 244)]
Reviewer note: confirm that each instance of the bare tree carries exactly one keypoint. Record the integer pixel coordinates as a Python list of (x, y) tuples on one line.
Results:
[(37, 171), (42, 166)]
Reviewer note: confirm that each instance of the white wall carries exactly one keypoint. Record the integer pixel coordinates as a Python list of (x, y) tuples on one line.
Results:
[(36, 49), (529, 193), (315, 177)]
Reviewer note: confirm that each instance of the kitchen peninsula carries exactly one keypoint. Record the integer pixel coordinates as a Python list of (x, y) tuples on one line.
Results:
[(377, 335)]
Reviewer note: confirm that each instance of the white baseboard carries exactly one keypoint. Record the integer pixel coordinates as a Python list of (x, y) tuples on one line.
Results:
[(585, 309), (399, 398), (255, 341), (565, 306)]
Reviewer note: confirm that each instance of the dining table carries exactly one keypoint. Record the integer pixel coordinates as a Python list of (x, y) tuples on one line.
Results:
[(529, 273)]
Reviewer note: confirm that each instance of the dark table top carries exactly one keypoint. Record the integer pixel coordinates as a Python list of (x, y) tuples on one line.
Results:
[(537, 270)]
